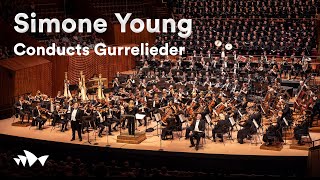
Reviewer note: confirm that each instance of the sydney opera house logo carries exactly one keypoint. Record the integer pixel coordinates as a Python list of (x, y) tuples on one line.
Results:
[(31, 158)]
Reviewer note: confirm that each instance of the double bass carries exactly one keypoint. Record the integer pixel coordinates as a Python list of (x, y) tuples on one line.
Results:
[(302, 94)]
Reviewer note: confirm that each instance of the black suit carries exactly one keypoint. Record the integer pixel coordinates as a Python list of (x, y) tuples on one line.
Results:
[(76, 124), (20, 108), (221, 128), (197, 135), (248, 127), (37, 118)]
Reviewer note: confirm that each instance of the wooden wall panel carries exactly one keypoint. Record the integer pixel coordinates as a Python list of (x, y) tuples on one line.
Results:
[(59, 66), (7, 86), (33, 79)]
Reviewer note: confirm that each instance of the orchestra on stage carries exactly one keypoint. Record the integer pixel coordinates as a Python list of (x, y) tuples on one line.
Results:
[(198, 96)]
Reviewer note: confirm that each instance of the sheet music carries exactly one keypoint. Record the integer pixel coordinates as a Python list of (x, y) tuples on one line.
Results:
[(181, 117), (140, 116), (157, 116), (232, 121), (208, 118), (285, 121)]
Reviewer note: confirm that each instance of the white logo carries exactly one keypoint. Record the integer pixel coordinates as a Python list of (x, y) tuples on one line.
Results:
[(31, 158)]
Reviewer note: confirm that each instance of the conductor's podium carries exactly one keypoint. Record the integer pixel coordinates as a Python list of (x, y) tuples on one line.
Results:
[(131, 139)]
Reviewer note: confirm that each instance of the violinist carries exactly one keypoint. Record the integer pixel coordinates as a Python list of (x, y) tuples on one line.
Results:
[(235, 87), (58, 116), (221, 127), (130, 82), (115, 84), (274, 72), (38, 119), (87, 115), (20, 107), (99, 119), (249, 127), (164, 100)]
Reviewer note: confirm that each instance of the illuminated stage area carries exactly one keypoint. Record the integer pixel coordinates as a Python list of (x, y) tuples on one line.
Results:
[(152, 143)]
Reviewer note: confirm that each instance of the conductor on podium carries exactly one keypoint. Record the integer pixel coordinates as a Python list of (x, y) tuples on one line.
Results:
[(197, 128), (131, 110)]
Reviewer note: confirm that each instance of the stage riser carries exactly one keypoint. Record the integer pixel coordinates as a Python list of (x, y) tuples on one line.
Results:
[(273, 147), (129, 139)]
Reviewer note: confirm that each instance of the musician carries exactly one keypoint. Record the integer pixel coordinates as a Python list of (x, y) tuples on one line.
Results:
[(164, 100), (170, 126), (315, 110), (68, 106), (207, 82), (221, 127), (143, 84), (270, 135), (130, 82), (227, 85), (45, 103), (58, 116), (116, 84), (248, 127), (99, 119), (284, 66), (38, 119), (87, 118), (274, 132), (301, 130), (20, 107), (131, 109), (286, 111), (274, 72), (76, 118), (235, 86), (305, 69), (244, 89), (197, 127), (143, 109)]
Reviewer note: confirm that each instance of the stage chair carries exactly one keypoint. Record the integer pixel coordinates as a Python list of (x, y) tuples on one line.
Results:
[(178, 130), (202, 140)]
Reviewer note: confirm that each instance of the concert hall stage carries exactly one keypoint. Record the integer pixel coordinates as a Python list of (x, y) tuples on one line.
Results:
[(152, 143), (229, 157)]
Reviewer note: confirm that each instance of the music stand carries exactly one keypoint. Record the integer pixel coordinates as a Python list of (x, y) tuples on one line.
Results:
[(140, 117), (208, 122), (158, 120), (285, 133), (87, 120), (233, 123)]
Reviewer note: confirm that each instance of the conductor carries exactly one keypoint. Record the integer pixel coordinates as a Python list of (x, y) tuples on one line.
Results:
[(76, 115), (131, 110), (197, 127)]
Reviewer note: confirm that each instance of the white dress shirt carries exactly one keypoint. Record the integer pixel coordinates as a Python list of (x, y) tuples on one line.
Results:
[(74, 114), (100, 117), (196, 127)]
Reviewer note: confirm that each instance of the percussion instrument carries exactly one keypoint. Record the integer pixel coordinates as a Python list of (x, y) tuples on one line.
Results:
[(218, 43), (228, 46)]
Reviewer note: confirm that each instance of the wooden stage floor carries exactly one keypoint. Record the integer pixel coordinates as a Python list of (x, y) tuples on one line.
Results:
[(152, 142)]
